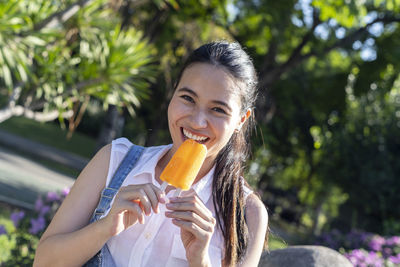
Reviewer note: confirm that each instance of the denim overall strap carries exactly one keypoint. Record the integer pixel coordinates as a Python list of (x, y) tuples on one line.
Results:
[(123, 170), (103, 257)]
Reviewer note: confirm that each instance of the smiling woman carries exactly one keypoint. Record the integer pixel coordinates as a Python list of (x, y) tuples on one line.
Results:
[(205, 108), (219, 221)]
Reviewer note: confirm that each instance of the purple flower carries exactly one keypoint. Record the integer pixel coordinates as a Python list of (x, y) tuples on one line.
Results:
[(3, 230), (373, 259), (393, 241), (37, 225), (360, 258), (395, 259), (52, 196), (356, 239), (386, 252), (65, 192), (39, 204), (376, 243), (356, 256), (45, 209), (16, 217)]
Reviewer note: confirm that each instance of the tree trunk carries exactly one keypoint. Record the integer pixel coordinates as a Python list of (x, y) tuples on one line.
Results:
[(112, 127)]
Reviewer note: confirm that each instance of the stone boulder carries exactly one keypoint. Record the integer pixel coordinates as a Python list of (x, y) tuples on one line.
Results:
[(304, 256)]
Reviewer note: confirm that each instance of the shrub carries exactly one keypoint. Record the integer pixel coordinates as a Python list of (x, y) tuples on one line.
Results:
[(364, 249), (19, 239)]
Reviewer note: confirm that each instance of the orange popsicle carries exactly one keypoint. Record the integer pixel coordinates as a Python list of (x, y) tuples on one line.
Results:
[(184, 165)]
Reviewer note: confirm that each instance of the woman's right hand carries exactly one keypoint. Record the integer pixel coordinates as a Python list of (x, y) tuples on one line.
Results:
[(130, 205)]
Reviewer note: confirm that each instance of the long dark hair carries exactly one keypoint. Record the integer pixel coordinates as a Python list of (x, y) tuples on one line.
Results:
[(228, 182)]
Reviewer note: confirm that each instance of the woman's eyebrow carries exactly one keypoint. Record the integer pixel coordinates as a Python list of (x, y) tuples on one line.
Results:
[(187, 90), (222, 103), (218, 102)]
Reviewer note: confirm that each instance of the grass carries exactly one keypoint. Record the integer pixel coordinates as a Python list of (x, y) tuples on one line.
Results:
[(276, 242), (50, 134), (5, 212)]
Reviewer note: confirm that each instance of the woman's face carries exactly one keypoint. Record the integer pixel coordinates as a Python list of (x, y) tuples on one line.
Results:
[(205, 107)]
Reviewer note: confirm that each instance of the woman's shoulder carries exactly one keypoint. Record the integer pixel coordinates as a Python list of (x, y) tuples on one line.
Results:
[(121, 144), (256, 210)]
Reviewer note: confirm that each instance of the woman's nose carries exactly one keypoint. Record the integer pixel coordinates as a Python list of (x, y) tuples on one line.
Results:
[(199, 119)]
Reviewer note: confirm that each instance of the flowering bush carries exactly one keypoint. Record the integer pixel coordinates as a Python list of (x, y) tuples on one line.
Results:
[(19, 239), (364, 249)]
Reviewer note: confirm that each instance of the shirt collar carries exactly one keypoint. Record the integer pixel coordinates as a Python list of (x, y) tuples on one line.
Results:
[(152, 155), (149, 160)]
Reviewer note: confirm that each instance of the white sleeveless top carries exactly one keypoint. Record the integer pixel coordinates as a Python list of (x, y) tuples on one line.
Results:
[(157, 242)]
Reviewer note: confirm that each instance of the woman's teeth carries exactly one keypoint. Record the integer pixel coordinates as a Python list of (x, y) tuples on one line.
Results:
[(194, 137)]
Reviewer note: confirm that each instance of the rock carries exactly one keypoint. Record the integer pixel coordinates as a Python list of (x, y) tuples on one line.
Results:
[(304, 256)]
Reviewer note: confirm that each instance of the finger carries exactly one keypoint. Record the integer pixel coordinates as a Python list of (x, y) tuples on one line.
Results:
[(190, 216), (192, 203), (160, 194), (144, 201), (192, 228), (193, 198), (132, 207), (151, 194), (133, 193)]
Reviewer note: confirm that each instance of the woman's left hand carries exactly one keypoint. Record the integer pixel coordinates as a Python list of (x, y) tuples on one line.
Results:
[(197, 227)]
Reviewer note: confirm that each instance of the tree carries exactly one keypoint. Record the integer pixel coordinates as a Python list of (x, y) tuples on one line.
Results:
[(305, 52), (81, 55), (366, 146)]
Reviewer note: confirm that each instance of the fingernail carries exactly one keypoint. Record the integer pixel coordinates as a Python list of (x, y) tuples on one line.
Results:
[(173, 198)]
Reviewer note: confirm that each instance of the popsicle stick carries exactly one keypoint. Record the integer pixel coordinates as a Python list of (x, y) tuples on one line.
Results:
[(177, 192), (163, 186)]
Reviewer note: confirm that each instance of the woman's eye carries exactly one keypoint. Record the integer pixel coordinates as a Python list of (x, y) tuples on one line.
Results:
[(219, 110), (188, 98)]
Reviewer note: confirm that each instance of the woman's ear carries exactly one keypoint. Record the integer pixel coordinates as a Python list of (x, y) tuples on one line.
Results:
[(243, 119)]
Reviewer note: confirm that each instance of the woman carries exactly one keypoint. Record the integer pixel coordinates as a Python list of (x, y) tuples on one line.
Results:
[(219, 221)]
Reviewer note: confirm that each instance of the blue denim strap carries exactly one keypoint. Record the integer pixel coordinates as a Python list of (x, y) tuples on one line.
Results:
[(103, 257), (123, 170)]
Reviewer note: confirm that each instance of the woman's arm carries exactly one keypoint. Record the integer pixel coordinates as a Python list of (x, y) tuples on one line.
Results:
[(69, 240), (257, 223)]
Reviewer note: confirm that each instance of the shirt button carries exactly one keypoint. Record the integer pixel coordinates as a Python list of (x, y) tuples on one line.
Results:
[(147, 235)]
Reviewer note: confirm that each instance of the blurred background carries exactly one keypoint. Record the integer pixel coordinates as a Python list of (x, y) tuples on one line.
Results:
[(75, 75)]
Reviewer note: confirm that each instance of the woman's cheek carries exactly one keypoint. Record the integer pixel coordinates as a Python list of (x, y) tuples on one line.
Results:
[(176, 110), (221, 129)]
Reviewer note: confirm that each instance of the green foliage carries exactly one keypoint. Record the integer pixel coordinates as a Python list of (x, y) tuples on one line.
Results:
[(23, 230), (366, 149), (274, 242), (315, 80), (118, 60), (88, 56), (309, 103), (381, 71), (346, 13), (17, 17)]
